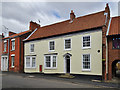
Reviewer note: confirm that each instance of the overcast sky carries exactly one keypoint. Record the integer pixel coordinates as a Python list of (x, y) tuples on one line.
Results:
[(17, 15)]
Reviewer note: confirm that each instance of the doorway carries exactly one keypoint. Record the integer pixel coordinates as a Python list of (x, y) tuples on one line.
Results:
[(116, 68), (4, 63), (67, 59)]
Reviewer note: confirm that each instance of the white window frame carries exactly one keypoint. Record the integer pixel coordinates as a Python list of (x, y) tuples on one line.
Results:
[(3, 63), (12, 40), (33, 48), (90, 63), (25, 62), (30, 61), (90, 42), (51, 62), (49, 45), (13, 55), (70, 44), (5, 47)]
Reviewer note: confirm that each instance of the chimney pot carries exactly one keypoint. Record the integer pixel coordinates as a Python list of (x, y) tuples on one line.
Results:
[(72, 16), (107, 10)]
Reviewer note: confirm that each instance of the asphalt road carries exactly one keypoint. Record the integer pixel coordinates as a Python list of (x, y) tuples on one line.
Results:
[(28, 81)]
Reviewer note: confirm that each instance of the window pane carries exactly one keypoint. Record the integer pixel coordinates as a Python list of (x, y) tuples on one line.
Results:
[(86, 61), (48, 61), (5, 46), (33, 61), (52, 44), (12, 61), (54, 61), (32, 47), (67, 43), (13, 45), (27, 61), (116, 43), (86, 41)]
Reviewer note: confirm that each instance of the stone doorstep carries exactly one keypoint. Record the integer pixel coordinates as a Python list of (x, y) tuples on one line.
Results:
[(96, 80), (31, 76), (67, 75)]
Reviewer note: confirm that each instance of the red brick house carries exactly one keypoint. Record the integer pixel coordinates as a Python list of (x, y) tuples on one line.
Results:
[(13, 49), (1, 36), (113, 43)]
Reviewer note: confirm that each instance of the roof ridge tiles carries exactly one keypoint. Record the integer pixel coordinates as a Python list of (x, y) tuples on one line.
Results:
[(75, 18)]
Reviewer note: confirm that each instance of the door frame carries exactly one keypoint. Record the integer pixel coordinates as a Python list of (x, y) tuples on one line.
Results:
[(2, 63), (65, 68)]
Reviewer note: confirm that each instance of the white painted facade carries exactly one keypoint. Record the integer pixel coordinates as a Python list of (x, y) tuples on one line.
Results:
[(41, 48)]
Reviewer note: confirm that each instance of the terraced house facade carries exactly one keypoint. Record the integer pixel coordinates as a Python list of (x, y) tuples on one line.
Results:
[(12, 58), (75, 46), (113, 46)]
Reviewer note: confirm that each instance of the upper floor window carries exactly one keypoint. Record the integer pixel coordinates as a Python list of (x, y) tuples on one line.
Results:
[(86, 42), (13, 44), (52, 45), (31, 47), (116, 43), (5, 46), (67, 44)]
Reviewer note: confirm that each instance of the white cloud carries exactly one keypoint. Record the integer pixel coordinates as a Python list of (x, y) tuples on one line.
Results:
[(60, 0), (16, 16)]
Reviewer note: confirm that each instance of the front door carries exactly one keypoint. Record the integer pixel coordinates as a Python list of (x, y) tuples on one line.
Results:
[(4, 64), (67, 64)]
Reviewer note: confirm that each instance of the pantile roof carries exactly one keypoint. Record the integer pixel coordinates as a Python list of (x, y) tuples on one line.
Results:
[(18, 34), (79, 24), (114, 26)]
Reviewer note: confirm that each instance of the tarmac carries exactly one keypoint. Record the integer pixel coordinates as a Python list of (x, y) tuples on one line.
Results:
[(94, 80)]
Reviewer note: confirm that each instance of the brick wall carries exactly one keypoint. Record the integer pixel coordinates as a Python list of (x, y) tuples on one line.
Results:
[(0, 50), (113, 55), (16, 52), (19, 54)]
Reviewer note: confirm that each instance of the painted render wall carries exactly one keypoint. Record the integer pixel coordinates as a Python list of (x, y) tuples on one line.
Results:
[(41, 48)]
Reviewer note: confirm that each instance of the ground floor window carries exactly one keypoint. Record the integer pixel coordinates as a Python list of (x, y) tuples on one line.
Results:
[(30, 62), (50, 61), (13, 60), (86, 62)]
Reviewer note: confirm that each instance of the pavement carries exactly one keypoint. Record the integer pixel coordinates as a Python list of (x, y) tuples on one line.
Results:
[(78, 79)]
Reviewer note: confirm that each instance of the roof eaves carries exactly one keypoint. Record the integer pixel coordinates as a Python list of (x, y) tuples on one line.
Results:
[(64, 33)]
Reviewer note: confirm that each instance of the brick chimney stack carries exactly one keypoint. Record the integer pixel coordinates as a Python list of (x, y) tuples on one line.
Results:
[(107, 10), (3, 35), (33, 25), (11, 33), (72, 15)]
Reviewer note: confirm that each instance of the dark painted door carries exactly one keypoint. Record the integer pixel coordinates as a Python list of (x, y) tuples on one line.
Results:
[(68, 64)]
